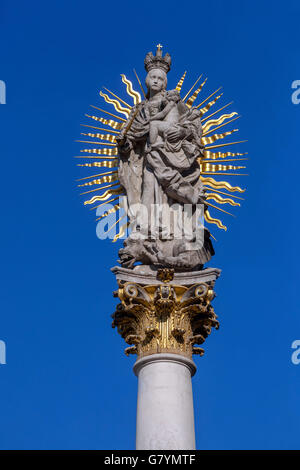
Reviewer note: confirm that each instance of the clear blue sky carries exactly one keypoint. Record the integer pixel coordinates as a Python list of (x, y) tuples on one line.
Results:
[(67, 383)]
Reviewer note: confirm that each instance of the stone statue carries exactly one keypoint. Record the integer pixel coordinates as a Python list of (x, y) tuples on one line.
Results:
[(159, 148), (161, 158)]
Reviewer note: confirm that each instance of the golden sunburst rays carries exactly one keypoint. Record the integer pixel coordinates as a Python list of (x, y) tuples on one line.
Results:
[(209, 105), (191, 99), (107, 122), (131, 92), (211, 153), (102, 151), (221, 200), (180, 83), (220, 185), (105, 163), (122, 228), (213, 138), (101, 129), (108, 177), (214, 154), (122, 231), (116, 104), (114, 209), (108, 137), (108, 113), (139, 82), (211, 220), (212, 168), (106, 195), (216, 122), (217, 111), (209, 164)]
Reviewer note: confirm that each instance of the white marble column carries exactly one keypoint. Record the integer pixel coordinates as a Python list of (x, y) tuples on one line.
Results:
[(165, 412)]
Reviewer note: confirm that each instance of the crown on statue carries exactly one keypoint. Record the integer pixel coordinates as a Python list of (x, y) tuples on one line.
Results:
[(157, 61)]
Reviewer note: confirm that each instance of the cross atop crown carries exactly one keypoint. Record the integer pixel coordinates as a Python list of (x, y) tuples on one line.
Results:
[(158, 61), (159, 50)]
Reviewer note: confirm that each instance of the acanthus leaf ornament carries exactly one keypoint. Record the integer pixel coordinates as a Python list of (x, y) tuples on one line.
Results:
[(167, 316)]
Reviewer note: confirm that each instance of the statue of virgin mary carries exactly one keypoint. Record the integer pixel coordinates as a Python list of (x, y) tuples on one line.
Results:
[(159, 148)]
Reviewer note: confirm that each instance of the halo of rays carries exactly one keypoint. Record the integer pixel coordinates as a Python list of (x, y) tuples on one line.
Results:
[(104, 149)]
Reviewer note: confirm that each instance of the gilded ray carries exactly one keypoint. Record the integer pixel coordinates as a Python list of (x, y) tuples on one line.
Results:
[(225, 194), (121, 232), (107, 122), (99, 156), (213, 168), (95, 143), (139, 82), (213, 138), (112, 185), (215, 155), (192, 98), (100, 174), (109, 114), (118, 98), (225, 145), (227, 160), (121, 218), (113, 151), (110, 211), (180, 83), (222, 125), (116, 104), (106, 195), (185, 97), (221, 185), (209, 105), (224, 174), (216, 122), (131, 92), (221, 200), (107, 163), (100, 189), (105, 179), (211, 220), (106, 202), (218, 110), (206, 99), (110, 138), (218, 208), (101, 129)]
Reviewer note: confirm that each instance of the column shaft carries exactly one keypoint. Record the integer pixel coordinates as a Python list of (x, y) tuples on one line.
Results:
[(165, 413)]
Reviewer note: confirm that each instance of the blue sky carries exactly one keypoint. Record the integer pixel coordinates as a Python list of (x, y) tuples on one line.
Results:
[(67, 383)]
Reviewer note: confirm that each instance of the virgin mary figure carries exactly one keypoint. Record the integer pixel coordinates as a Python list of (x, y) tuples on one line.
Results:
[(160, 172)]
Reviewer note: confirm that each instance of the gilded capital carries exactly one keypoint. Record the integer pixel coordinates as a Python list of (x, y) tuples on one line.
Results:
[(164, 314)]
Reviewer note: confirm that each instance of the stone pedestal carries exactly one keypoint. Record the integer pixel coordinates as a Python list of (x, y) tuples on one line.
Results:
[(162, 316)]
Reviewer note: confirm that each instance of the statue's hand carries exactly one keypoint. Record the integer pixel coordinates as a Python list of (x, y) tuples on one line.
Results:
[(173, 135), (123, 143), (120, 138)]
